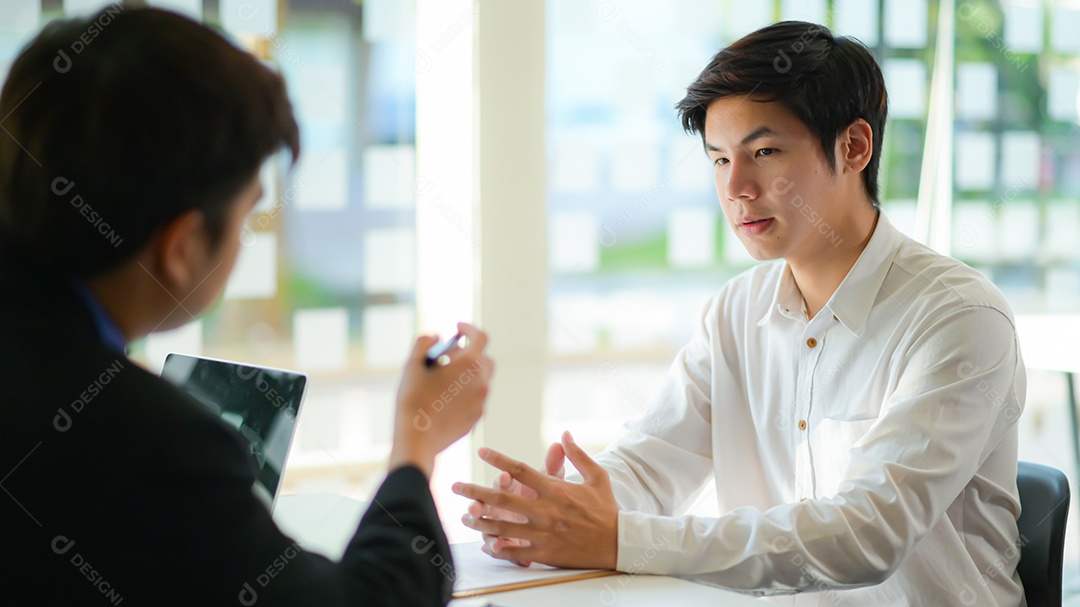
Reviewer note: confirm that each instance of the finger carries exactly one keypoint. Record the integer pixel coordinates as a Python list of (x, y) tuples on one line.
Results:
[(514, 504), (555, 461), (520, 471), (504, 482), (522, 555), (503, 529), (420, 348), (586, 465), (477, 508), (477, 338), (488, 550)]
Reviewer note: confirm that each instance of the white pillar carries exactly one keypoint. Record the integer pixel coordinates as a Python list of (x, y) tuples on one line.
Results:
[(513, 269)]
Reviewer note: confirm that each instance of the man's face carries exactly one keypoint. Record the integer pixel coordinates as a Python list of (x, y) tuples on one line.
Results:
[(775, 187)]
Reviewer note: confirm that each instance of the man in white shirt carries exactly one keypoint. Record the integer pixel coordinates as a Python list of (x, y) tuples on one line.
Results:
[(855, 401)]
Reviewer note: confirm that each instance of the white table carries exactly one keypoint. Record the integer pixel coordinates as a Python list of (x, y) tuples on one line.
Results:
[(616, 591), (324, 523)]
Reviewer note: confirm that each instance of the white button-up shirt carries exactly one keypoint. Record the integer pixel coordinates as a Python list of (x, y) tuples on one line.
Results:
[(864, 457)]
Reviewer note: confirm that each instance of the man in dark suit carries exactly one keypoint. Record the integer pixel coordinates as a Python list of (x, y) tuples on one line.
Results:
[(129, 160)]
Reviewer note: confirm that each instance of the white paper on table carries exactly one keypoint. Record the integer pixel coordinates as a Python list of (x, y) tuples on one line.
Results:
[(906, 82), (1063, 30), (975, 160), (976, 91), (857, 18), (1021, 155), (1061, 94), (475, 571), (906, 24), (1024, 27)]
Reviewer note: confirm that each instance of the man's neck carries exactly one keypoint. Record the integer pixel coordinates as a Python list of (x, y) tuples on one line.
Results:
[(819, 275), (135, 300)]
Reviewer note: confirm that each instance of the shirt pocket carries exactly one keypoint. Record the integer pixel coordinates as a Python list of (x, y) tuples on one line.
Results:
[(832, 442)]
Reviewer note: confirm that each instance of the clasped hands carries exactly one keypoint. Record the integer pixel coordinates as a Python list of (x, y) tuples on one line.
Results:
[(532, 516)]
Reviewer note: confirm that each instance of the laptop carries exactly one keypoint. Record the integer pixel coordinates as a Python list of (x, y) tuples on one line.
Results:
[(260, 402)]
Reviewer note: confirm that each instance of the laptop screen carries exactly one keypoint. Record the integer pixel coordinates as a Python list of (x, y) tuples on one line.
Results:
[(261, 403)]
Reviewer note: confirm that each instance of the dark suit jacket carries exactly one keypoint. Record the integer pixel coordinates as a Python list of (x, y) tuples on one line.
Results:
[(116, 488)]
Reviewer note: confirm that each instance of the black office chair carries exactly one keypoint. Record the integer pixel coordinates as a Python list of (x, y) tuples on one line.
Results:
[(1044, 504)]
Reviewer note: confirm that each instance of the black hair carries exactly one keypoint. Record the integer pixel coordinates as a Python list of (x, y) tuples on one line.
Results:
[(827, 81), (118, 123)]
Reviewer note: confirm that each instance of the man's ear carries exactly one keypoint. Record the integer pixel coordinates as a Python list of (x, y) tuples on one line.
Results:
[(855, 146), (181, 250)]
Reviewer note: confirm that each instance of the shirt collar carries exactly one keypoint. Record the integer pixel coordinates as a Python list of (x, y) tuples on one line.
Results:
[(786, 297), (110, 334), (855, 297)]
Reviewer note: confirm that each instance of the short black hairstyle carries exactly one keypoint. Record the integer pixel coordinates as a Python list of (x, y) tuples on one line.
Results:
[(827, 81), (118, 123)]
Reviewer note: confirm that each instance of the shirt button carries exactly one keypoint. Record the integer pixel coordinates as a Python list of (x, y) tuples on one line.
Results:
[(802, 424), (811, 342)]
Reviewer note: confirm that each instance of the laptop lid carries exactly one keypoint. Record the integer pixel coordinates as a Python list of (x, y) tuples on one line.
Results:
[(260, 402)]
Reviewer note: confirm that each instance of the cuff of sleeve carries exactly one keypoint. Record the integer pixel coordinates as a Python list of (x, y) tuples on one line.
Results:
[(408, 474), (648, 543)]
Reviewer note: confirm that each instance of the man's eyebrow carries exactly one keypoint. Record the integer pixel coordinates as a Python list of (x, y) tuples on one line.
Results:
[(758, 133)]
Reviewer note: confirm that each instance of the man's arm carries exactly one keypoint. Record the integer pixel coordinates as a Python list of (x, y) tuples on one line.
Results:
[(953, 406), (398, 556)]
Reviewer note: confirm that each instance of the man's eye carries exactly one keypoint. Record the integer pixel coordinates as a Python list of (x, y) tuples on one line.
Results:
[(766, 151), (720, 161)]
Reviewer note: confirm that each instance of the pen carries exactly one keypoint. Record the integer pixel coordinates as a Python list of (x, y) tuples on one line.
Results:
[(439, 350)]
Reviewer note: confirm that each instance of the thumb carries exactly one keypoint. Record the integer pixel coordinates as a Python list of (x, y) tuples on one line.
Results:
[(588, 467), (555, 461)]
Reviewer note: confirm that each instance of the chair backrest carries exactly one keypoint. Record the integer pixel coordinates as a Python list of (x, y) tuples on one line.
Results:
[(1044, 504)]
